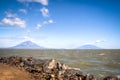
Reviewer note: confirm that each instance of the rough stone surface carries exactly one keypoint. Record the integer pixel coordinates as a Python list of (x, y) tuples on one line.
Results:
[(48, 69)]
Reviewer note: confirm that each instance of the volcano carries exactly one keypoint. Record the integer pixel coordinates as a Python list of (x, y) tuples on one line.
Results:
[(27, 45)]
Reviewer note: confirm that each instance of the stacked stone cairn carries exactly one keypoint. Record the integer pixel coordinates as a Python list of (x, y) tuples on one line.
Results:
[(48, 69)]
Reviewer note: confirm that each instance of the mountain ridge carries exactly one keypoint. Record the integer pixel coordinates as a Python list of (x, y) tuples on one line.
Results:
[(27, 45), (32, 45), (89, 46)]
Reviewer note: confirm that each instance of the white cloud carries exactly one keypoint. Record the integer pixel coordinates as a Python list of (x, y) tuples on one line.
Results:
[(9, 15), (44, 23), (14, 22), (45, 12), (27, 38), (23, 11), (43, 2), (99, 41), (38, 26), (95, 42), (50, 21)]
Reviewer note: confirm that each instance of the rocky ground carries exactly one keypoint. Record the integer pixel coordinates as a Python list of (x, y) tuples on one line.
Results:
[(28, 68)]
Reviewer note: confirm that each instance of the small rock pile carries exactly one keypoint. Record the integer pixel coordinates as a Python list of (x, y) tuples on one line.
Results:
[(48, 69)]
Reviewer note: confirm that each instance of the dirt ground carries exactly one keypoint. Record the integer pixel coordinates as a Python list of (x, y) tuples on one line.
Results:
[(12, 73)]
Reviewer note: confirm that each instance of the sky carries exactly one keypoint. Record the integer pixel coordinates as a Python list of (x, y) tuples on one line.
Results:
[(60, 23)]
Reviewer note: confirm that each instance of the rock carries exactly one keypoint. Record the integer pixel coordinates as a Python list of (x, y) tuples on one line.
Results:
[(89, 77), (48, 69), (111, 78), (72, 74)]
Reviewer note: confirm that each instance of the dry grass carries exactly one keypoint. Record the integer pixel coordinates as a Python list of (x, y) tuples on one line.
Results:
[(12, 73)]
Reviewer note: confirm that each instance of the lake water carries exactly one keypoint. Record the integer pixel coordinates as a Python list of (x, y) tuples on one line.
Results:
[(98, 62)]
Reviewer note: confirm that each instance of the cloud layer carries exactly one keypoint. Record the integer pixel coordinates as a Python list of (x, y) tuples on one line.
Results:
[(100, 41), (38, 26), (9, 15), (23, 11), (13, 20), (45, 12), (43, 2)]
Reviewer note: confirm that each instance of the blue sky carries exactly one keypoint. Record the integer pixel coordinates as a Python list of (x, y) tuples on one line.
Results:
[(60, 23)]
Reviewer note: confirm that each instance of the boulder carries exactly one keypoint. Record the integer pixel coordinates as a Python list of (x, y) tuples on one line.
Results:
[(48, 69)]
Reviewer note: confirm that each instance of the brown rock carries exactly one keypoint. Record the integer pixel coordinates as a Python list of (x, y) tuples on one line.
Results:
[(111, 78)]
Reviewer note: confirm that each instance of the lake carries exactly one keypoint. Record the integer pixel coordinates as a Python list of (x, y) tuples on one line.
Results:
[(97, 62)]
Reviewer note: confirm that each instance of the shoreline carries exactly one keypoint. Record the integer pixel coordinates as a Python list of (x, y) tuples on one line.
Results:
[(49, 69)]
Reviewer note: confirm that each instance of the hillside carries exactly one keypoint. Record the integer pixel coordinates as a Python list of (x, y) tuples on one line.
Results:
[(27, 45), (89, 47)]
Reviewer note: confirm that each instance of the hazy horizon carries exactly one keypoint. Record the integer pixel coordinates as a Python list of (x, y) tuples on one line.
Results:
[(27, 45), (60, 23)]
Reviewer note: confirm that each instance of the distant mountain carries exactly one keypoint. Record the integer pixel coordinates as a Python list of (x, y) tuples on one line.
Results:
[(89, 47), (27, 45)]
